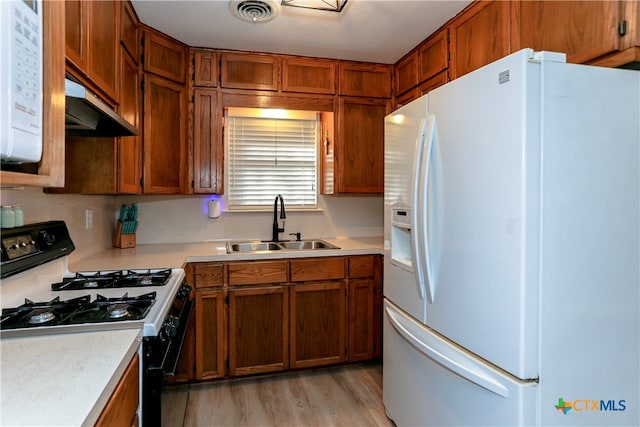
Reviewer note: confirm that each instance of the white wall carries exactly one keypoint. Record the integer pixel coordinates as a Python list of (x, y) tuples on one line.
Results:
[(177, 219)]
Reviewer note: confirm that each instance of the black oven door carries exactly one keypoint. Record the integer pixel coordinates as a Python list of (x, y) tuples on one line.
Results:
[(160, 355)]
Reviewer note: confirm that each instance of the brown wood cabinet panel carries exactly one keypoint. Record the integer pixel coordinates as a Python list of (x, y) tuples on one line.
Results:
[(303, 270), (205, 64), (433, 55), (359, 149), (361, 266), (164, 136), (406, 73), (76, 31), (361, 319), (478, 36), (121, 409), (49, 172), (129, 167), (249, 71), (309, 76), (208, 275), (164, 56), (584, 30), (406, 98), (102, 49), (210, 334), (129, 30), (101, 154), (370, 80), (318, 324), (258, 330), (208, 160), (257, 272)]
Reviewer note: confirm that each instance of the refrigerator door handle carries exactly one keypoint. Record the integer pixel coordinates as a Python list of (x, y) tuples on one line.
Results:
[(444, 354), (415, 200)]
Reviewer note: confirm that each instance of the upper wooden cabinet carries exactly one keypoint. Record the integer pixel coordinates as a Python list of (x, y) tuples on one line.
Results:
[(478, 36), (309, 76), (205, 68), (129, 31), (129, 155), (356, 162), (406, 73), (92, 37), (433, 55), (585, 30), (207, 142), (49, 172), (370, 80), (163, 56), (165, 136), (249, 71)]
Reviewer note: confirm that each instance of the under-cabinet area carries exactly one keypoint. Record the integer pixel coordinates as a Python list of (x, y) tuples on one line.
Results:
[(263, 316)]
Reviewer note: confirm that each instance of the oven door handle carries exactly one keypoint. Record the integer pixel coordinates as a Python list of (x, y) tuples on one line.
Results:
[(170, 360)]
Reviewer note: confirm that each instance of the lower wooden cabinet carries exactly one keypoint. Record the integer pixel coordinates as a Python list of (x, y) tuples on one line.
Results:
[(210, 331), (258, 330), (122, 407), (254, 317), (318, 324)]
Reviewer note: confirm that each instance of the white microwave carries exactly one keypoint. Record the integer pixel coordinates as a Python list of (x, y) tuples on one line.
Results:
[(21, 81)]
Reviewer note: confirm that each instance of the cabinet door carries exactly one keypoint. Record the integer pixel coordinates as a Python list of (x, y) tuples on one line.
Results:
[(318, 324), (361, 319), (370, 80), (164, 56), (129, 30), (129, 148), (406, 73), (479, 35), (104, 41), (76, 32), (210, 334), (258, 330), (164, 136), (582, 29), (205, 63), (122, 407), (207, 143), (359, 148), (249, 71), (433, 56), (309, 76)]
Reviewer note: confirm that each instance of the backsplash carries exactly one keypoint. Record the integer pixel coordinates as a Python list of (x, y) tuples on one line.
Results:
[(179, 219)]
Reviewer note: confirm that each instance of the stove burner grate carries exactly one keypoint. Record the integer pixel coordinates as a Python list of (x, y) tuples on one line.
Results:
[(114, 279)]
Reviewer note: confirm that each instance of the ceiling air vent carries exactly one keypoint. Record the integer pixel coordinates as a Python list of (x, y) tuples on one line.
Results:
[(254, 10)]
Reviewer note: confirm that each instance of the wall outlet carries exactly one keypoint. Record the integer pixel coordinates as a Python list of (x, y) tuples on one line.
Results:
[(88, 219)]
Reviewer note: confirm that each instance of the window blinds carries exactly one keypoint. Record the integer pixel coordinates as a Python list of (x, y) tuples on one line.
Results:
[(267, 157)]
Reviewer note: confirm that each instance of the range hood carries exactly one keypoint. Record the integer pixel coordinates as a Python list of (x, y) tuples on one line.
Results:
[(88, 115)]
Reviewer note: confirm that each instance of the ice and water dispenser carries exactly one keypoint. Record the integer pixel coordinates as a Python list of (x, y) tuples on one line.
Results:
[(401, 238)]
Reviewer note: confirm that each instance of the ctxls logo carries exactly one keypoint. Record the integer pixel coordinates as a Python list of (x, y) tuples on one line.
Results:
[(581, 405)]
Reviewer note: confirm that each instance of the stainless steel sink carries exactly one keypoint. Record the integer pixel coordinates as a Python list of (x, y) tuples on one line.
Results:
[(308, 245), (251, 247), (256, 246)]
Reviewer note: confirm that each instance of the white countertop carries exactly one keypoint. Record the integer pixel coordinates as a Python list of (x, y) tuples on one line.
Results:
[(62, 379), (175, 255)]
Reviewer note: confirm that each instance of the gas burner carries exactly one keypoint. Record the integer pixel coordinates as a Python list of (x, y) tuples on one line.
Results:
[(146, 277), (41, 315), (113, 279), (117, 311)]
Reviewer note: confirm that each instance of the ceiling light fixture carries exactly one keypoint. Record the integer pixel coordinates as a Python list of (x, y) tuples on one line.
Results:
[(329, 5)]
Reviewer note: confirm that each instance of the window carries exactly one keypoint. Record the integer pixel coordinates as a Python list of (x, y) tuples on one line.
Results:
[(270, 155)]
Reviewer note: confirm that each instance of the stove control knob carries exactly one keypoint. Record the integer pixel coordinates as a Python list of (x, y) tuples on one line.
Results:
[(170, 326), (47, 238), (184, 291)]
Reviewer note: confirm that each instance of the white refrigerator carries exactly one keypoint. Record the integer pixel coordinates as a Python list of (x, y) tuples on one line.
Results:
[(512, 248)]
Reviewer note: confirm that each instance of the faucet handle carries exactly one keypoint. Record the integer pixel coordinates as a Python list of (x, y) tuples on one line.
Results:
[(298, 236)]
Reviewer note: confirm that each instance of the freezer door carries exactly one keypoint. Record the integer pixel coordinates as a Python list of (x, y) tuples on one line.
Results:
[(481, 213), (427, 381), (405, 131)]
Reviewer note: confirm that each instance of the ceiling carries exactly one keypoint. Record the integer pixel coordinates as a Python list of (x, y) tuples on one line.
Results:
[(366, 30)]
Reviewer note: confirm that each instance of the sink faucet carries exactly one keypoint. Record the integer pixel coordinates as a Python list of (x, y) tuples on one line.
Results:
[(276, 227)]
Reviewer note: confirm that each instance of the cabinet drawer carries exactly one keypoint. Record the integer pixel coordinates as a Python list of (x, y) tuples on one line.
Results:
[(254, 273), (361, 266), (208, 275), (317, 269)]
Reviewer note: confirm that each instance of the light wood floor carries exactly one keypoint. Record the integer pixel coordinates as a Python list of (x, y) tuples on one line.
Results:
[(340, 396)]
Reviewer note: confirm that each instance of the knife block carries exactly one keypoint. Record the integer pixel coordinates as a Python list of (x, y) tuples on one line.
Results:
[(123, 241)]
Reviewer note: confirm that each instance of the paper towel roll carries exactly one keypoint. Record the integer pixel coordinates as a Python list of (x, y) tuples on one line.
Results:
[(214, 209)]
